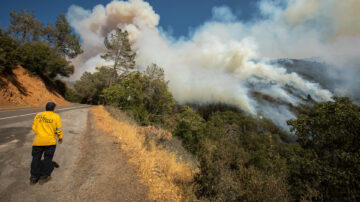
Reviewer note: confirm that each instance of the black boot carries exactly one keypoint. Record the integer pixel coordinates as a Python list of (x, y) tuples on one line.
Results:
[(33, 180)]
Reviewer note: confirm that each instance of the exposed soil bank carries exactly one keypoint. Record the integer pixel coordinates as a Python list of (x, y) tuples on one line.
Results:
[(21, 89)]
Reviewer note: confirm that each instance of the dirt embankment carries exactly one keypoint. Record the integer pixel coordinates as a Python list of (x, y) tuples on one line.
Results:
[(21, 89)]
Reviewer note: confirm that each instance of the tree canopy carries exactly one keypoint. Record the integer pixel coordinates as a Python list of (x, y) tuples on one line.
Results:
[(8, 53), (118, 51), (145, 94), (43, 51), (90, 85), (330, 131), (65, 42), (39, 58), (24, 26)]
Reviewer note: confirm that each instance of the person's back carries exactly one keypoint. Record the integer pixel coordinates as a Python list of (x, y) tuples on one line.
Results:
[(46, 126)]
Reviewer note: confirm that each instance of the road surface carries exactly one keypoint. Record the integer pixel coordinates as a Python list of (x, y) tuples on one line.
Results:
[(14, 115), (15, 146), (92, 167)]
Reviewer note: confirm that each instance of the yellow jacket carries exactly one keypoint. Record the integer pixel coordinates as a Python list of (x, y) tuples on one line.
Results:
[(46, 126)]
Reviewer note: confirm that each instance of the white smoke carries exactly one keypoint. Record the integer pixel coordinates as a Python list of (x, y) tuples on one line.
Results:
[(225, 60)]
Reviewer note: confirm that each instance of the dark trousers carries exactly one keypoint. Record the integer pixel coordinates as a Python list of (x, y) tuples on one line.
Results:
[(42, 168)]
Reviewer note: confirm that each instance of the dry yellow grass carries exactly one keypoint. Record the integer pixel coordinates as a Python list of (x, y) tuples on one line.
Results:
[(158, 169)]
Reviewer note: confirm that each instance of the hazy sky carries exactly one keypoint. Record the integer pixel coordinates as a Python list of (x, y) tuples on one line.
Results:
[(176, 16)]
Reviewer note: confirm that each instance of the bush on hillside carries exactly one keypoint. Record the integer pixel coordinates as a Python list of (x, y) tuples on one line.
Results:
[(72, 96), (329, 131), (158, 99), (225, 175), (145, 95), (128, 95), (40, 59), (8, 53), (240, 160), (189, 129), (90, 85)]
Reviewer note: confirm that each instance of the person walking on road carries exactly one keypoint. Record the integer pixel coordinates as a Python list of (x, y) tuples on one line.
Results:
[(46, 126)]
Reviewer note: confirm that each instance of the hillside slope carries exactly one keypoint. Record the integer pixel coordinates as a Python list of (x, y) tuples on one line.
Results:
[(21, 89)]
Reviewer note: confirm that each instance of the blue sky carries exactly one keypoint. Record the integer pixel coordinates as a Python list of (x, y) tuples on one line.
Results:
[(178, 16)]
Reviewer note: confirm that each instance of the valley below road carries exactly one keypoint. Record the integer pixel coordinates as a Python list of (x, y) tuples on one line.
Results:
[(92, 166)]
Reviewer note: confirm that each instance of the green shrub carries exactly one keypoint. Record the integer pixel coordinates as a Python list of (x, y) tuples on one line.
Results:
[(227, 174), (40, 59), (144, 95), (8, 53), (329, 131), (190, 129), (90, 85), (71, 96), (240, 159)]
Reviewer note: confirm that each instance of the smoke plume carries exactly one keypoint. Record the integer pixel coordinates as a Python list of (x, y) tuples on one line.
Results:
[(226, 60)]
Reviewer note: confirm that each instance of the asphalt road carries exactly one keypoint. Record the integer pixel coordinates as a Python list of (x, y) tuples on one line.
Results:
[(92, 165), (14, 115), (15, 152)]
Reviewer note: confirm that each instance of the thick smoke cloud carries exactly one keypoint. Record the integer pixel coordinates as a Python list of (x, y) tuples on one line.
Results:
[(225, 60)]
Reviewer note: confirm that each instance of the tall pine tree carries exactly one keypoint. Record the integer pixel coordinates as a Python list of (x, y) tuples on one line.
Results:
[(66, 42), (119, 51), (24, 26)]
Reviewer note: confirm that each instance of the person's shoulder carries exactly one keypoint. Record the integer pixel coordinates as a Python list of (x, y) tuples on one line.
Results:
[(57, 115)]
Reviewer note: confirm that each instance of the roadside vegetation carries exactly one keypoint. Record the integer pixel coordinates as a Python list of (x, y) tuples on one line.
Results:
[(162, 171), (44, 51)]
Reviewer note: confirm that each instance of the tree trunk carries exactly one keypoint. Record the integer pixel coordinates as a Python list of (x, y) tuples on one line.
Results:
[(114, 73)]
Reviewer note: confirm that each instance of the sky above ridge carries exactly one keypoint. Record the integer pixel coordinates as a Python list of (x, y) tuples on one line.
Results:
[(176, 17)]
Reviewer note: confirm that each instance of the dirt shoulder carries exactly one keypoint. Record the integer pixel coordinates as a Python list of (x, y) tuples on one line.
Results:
[(162, 171), (103, 173)]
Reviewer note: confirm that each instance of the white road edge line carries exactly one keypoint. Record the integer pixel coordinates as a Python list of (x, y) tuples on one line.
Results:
[(9, 117)]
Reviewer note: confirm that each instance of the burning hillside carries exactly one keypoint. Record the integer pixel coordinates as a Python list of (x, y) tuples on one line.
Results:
[(225, 60)]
